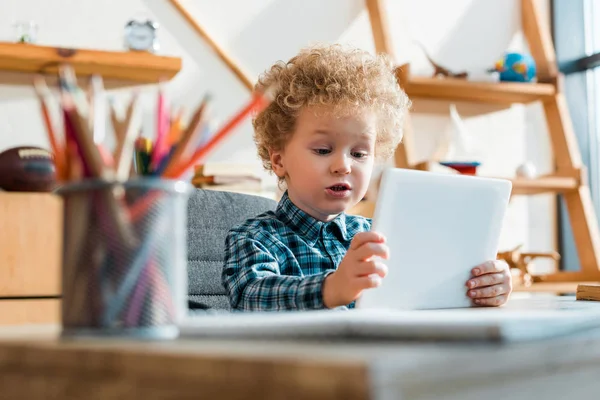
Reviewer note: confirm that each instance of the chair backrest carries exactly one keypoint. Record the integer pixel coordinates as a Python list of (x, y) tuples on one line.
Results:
[(210, 216)]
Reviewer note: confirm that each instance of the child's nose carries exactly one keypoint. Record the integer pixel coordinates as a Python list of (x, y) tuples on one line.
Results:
[(341, 165)]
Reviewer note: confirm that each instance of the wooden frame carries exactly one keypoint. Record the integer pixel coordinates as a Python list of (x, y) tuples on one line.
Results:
[(216, 48), (404, 156)]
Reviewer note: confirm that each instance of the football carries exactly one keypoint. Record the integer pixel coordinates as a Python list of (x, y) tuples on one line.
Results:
[(27, 169)]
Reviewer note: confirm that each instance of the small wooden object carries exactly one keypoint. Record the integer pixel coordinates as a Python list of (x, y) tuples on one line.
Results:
[(518, 260), (588, 292), (440, 70)]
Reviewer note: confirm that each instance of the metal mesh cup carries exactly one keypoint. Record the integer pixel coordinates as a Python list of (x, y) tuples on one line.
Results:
[(124, 258)]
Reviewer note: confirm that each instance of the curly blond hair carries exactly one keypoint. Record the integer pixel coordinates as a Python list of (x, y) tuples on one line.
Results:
[(340, 78)]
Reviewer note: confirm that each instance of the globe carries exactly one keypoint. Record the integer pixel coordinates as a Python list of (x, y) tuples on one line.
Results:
[(516, 67)]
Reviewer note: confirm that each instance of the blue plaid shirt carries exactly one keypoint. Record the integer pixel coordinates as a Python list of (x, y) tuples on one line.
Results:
[(278, 260)]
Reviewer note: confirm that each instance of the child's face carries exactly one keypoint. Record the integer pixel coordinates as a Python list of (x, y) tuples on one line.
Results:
[(328, 161)]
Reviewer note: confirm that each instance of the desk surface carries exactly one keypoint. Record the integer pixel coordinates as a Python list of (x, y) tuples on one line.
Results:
[(34, 364)]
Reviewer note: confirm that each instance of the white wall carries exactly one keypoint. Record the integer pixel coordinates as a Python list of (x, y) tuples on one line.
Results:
[(460, 34)]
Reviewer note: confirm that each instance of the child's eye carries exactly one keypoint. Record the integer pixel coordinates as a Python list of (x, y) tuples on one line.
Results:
[(322, 151), (359, 154)]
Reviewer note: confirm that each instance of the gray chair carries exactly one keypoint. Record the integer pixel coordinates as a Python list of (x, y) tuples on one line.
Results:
[(210, 216)]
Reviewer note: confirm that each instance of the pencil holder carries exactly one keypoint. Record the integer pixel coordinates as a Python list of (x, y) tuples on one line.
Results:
[(124, 269)]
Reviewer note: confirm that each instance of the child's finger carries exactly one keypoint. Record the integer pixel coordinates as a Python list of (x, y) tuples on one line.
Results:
[(365, 237), (486, 280), (369, 281), (371, 249), (488, 292), (372, 267), (490, 267), (492, 301)]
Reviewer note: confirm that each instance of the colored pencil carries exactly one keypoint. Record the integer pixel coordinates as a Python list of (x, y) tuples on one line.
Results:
[(258, 102), (189, 134), (161, 148)]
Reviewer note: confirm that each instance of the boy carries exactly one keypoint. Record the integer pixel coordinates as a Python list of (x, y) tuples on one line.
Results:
[(334, 112)]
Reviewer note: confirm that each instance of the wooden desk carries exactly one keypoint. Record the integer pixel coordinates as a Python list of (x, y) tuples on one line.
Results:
[(34, 364)]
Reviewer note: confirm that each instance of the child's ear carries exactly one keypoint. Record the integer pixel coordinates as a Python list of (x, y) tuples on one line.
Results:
[(277, 163)]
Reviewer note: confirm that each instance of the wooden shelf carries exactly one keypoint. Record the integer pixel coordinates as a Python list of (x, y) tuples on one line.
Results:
[(541, 184), (483, 92), (544, 184), (19, 61)]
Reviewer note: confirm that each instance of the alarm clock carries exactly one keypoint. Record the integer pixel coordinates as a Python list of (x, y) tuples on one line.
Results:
[(140, 35)]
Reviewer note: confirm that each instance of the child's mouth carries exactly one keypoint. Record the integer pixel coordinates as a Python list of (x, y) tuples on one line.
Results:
[(338, 191)]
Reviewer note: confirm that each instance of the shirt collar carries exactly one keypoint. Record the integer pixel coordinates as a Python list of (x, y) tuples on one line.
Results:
[(307, 226)]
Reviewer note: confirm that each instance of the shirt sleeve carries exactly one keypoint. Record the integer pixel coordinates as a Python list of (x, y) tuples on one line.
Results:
[(252, 278)]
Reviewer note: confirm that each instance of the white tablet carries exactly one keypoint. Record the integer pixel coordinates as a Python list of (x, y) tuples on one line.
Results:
[(438, 227)]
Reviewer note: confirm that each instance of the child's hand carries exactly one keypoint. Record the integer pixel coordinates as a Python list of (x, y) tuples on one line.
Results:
[(491, 283), (357, 271)]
